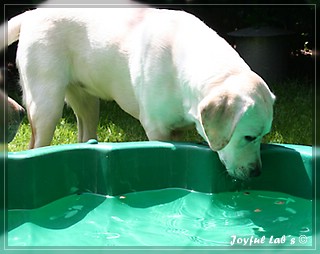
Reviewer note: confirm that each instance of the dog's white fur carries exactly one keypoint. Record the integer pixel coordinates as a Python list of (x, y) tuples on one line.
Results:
[(164, 67)]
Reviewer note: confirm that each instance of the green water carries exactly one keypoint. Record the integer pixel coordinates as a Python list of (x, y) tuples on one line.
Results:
[(169, 217)]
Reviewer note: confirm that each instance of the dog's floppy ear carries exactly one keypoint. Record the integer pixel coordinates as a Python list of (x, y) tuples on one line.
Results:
[(219, 114)]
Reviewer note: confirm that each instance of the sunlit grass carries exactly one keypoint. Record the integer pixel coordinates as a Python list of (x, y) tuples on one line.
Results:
[(293, 121)]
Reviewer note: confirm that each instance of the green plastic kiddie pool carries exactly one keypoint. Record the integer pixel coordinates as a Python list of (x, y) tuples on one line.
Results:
[(157, 194)]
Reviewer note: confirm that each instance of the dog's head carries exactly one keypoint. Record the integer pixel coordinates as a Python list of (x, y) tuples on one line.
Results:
[(234, 117)]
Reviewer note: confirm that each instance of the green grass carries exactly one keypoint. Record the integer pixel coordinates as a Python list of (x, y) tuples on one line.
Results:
[(293, 113), (292, 121)]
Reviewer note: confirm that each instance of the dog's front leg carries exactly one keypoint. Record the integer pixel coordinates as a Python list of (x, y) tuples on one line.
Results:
[(86, 108), (155, 130)]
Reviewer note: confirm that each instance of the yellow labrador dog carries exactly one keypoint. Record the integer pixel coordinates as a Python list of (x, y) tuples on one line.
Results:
[(164, 67)]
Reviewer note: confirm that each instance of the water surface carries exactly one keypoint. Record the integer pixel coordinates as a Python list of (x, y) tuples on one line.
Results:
[(168, 217)]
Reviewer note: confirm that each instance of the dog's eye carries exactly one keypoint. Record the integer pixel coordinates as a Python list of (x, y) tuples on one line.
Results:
[(250, 138)]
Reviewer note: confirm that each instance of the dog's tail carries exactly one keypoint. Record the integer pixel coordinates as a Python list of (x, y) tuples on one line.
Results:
[(13, 30)]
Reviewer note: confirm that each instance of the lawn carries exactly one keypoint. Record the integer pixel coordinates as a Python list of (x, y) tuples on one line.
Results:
[(293, 121)]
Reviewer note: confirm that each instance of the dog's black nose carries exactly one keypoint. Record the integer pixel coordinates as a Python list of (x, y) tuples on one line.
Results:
[(255, 172)]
